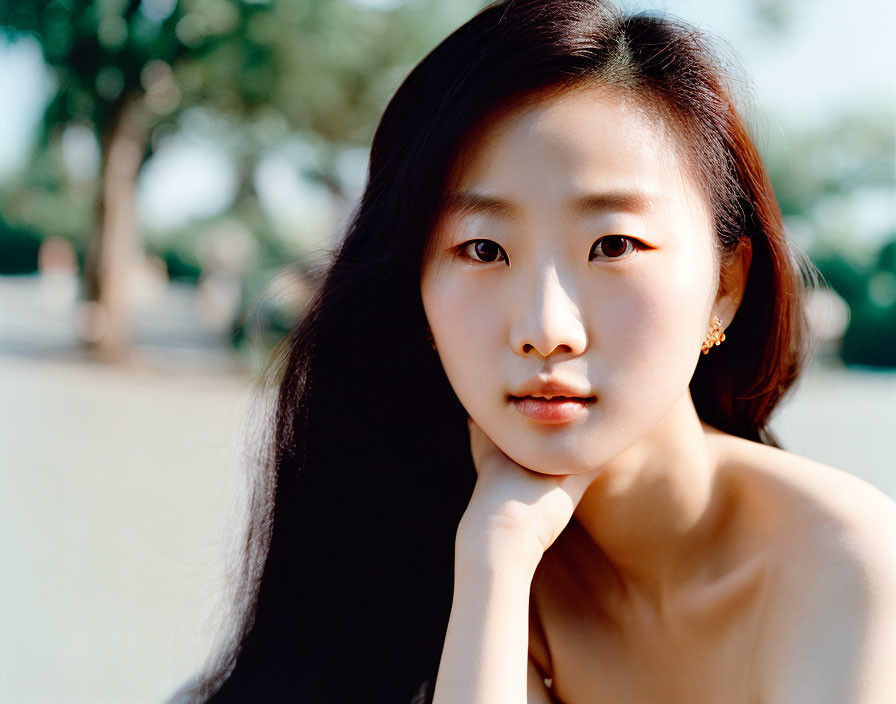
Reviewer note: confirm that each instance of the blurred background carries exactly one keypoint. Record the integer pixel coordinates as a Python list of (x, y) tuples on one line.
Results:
[(173, 174)]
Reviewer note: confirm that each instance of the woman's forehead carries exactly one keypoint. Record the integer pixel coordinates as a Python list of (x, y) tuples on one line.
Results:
[(587, 140), (574, 125)]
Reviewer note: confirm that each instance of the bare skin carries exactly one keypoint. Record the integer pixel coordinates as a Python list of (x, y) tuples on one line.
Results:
[(634, 553), (781, 527)]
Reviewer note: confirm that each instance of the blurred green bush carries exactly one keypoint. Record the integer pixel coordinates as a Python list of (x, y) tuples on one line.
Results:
[(19, 247), (870, 292)]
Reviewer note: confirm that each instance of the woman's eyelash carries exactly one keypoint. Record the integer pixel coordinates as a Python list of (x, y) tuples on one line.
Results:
[(494, 249)]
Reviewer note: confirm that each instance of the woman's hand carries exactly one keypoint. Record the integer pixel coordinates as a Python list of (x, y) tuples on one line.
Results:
[(515, 504), (514, 515)]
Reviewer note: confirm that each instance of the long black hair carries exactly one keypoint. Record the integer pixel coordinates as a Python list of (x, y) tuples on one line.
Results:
[(348, 575)]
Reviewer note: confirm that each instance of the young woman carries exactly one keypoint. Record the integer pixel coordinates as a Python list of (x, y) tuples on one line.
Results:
[(521, 448)]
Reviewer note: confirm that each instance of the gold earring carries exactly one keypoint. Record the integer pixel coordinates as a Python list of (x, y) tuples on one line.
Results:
[(429, 337), (714, 337)]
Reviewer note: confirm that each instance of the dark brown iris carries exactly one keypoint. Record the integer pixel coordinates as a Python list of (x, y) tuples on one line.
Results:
[(612, 246), (487, 250)]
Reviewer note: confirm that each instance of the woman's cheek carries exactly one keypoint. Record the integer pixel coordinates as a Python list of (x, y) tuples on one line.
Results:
[(465, 333), (649, 348), (669, 293)]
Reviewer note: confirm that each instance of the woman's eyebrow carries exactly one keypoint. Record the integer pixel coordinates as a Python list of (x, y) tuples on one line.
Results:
[(470, 202), (626, 201)]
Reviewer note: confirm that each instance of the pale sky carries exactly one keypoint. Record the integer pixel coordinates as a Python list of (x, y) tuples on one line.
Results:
[(835, 59)]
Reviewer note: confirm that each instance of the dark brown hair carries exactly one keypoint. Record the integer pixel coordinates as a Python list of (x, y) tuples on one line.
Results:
[(348, 576)]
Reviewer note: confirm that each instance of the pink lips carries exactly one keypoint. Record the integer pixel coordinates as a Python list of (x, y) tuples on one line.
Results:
[(559, 409)]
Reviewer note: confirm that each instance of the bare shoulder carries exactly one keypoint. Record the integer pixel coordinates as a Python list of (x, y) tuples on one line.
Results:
[(828, 628), (807, 502)]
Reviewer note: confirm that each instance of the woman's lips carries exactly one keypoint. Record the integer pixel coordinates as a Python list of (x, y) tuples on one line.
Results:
[(559, 409)]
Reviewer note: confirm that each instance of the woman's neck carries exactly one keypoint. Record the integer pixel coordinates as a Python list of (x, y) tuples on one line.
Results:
[(656, 516)]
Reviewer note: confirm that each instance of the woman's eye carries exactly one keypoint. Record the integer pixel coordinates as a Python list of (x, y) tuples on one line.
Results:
[(613, 247), (484, 251)]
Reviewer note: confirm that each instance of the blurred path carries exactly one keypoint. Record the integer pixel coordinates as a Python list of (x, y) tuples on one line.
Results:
[(115, 490), (118, 488)]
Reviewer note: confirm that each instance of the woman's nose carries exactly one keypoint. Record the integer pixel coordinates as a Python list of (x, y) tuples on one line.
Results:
[(547, 319)]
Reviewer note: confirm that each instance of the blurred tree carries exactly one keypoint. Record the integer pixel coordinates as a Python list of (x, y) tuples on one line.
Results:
[(131, 69), (835, 185), (828, 163)]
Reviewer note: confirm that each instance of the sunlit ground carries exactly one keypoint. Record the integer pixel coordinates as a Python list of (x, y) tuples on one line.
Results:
[(118, 488)]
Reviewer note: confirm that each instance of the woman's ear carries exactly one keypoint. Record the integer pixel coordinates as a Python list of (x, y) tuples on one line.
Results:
[(733, 281)]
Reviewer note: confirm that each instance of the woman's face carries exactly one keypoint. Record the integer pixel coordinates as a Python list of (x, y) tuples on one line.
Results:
[(573, 246)]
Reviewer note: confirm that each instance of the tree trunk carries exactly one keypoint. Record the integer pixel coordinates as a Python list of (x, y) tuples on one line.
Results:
[(115, 258)]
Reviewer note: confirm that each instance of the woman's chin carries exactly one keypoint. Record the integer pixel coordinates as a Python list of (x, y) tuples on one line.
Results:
[(555, 465)]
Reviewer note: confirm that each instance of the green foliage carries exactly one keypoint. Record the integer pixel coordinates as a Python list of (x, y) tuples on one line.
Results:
[(97, 49), (180, 259), (849, 279), (811, 166), (828, 181), (886, 260), (47, 200), (324, 68), (870, 291), (870, 339), (18, 249)]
